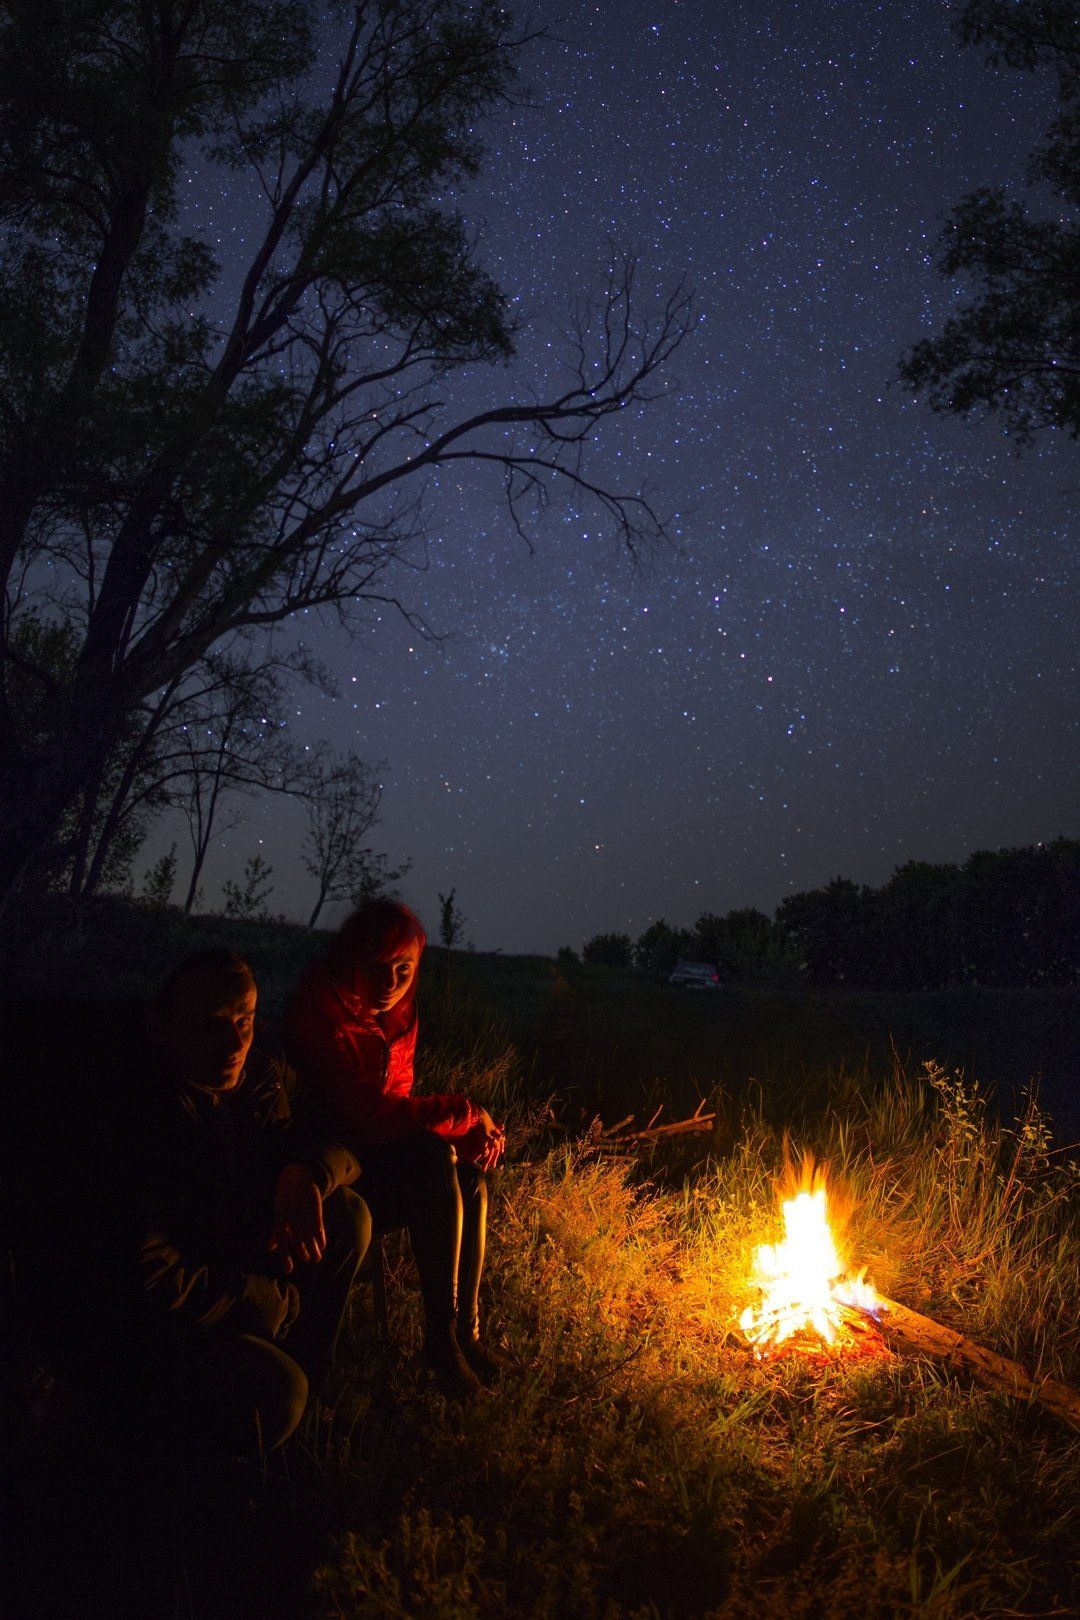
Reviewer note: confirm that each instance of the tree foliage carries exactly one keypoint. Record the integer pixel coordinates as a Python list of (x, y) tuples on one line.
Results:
[(1005, 917), (1012, 347), (187, 458), (608, 950), (160, 879)]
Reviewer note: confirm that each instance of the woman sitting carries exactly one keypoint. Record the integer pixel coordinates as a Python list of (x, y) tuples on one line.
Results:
[(351, 1033)]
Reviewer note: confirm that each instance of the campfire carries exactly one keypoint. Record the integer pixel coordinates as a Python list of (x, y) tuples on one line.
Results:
[(811, 1301), (807, 1292)]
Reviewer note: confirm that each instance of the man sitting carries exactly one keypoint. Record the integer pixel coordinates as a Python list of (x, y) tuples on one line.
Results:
[(248, 1236)]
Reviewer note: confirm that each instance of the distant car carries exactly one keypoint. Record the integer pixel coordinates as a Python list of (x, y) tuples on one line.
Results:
[(695, 976)]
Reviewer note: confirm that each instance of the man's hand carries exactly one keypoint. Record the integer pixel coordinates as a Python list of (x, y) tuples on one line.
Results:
[(299, 1235), (490, 1142)]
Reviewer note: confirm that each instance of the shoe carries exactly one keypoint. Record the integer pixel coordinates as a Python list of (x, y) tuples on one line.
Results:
[(486, 1363), (455, 1377)]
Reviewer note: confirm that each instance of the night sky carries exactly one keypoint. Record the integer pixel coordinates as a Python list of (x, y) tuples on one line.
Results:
[(861, 649)]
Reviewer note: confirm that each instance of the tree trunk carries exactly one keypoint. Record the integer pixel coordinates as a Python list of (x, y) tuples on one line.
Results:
[(32, 804), (81, 864), (320, 902), (196, 873)]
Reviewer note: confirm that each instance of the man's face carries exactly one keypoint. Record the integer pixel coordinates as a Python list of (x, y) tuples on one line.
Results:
[(382, 982), (206, 1029)]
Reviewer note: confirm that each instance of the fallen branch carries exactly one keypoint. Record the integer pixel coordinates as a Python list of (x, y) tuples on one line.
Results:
[(921, 1333), (617, 1139)]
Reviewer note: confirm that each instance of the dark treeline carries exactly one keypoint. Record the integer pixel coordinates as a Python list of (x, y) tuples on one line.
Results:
[(1005, 917)]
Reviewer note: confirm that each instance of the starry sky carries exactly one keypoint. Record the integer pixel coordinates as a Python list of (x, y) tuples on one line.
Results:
[(860, 648)]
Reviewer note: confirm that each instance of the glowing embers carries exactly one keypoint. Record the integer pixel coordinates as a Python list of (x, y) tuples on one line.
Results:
[(806, 1291)]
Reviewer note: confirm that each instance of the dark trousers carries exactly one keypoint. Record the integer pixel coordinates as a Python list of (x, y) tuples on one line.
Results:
[(421, 1184), (238, 1393)]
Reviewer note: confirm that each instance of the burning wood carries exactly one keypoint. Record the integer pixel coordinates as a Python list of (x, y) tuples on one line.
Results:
[(809, 1297), (803, 1282)]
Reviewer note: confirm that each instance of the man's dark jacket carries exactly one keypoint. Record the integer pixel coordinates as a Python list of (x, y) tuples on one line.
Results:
[(128, 1211), (205, 1206)]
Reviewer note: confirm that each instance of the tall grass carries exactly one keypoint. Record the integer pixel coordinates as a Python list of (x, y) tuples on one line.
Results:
[(640, 1462)]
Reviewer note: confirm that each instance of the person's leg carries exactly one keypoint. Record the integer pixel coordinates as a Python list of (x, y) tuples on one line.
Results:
[(485, 1363), (229, 1394), (474, 1201), (324, 1287), (414, 1184), (211, 1407)]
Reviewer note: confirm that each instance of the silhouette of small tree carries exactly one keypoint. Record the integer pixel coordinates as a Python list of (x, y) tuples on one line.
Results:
[(247, 900), (451, 920), (158, 883)]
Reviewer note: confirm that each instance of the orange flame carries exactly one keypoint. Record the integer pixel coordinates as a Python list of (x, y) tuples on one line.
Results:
[(803, 1282)]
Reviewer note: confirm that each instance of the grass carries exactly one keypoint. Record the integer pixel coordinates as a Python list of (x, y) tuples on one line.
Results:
[(638, 1462), (642, 1463)]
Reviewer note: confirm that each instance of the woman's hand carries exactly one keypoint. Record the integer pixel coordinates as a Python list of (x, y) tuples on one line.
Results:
[(299, 1233), (486, 1142)]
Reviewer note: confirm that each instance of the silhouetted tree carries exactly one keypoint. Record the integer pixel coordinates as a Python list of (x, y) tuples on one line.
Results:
[(1006, 917), (1020, 914), (451, 920), (159, 880), (1013, 345), (920, 938), (832, 932), (182, 462), (231, 741), (745, 945), (659, 948), (342, 800), (247, 900), (608, 950)]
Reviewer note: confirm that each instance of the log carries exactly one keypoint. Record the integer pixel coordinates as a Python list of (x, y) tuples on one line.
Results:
[(996, 1372)]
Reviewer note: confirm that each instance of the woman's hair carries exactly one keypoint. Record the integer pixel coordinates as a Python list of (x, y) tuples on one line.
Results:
[(375, 931)]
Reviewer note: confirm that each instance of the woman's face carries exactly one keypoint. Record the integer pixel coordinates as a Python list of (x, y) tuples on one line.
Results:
[(381, 982)]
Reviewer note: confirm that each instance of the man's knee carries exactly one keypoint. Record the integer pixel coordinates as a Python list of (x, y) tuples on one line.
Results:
[(276, 1387), (348, 1221)]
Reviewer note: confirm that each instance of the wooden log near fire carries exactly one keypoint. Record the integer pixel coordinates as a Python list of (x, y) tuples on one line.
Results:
[(915, 1332)]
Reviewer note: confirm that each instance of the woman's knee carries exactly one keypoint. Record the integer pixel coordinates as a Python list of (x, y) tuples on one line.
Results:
[(435, 1154), (473, 1183)]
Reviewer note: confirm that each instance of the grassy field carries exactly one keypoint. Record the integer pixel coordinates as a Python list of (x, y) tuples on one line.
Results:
[(638, 1462)]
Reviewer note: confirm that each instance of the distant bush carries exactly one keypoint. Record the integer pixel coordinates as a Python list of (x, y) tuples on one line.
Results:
[(608, 950)]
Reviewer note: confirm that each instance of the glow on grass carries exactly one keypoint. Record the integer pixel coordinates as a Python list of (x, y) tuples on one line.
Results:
[(803, 1283)]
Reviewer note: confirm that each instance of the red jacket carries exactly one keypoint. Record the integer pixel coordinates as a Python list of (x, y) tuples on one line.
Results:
[(359, 1066)]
